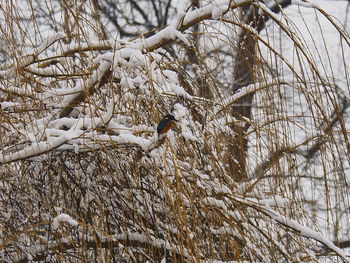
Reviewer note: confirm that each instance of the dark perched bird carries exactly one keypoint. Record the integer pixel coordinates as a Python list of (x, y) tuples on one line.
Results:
[(165, 124)]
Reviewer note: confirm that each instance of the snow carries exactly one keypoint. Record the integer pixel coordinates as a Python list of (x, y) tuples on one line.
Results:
[(132, 139), (63, 218), (136, 68), (275, 201), (158, 243), (224, 104), (175, 34), (121, 56), (179, 91), (306, 3), (27, 59), (179, 17), (168, 33), (306, 232), (180, 113), (49, 41), (219, 10), (215, 202), (216, 7), (91, 44), (99, 73), (53, 72), (268, 11), (35, 149)]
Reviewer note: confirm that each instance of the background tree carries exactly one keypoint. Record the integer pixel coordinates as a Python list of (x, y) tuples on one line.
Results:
[(256, 169)]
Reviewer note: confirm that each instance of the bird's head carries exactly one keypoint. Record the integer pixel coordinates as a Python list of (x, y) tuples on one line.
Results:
[(170, 117)]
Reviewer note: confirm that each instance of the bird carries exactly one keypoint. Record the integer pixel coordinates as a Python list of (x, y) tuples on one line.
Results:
[(165, 124)]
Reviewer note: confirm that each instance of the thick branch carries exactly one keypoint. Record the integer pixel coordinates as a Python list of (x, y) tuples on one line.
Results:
[(157, 246)]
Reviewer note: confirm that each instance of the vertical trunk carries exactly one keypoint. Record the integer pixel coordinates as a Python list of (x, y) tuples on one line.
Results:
[(243, 76), (204, 89)]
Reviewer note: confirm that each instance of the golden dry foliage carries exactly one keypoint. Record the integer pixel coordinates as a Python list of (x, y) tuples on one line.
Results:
[(255, 169)]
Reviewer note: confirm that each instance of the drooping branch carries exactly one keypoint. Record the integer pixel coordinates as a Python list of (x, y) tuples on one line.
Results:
[(163, 38), (134, 240), (295, 226)]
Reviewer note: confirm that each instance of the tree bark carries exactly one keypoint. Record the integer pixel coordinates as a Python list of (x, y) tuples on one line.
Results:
[(244, 75)]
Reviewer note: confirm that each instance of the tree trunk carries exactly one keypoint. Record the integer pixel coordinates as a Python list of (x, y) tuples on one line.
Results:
[(244, 75)]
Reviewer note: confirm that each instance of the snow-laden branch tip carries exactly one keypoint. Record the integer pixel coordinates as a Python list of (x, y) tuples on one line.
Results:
[(49, 41), (30, 57), (211, 11), (174, 31), (121, 139), (294, 225), (63, 218), (74, 47), (97, 77), (305, 231), (154, 242), (185, 21), (38, 148), (105, 241), (306, 3), (169, 33), (244, 91)]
